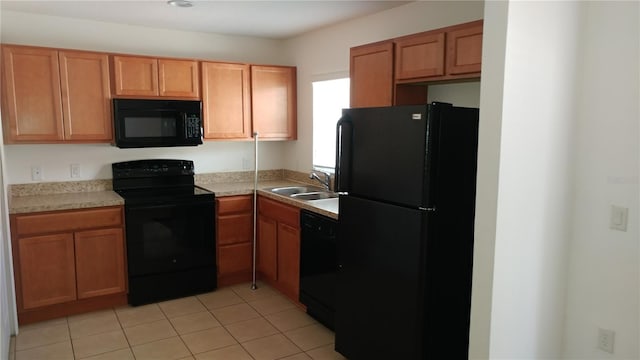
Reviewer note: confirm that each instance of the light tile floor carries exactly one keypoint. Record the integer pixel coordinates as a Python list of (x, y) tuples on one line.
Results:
[(232, 323)]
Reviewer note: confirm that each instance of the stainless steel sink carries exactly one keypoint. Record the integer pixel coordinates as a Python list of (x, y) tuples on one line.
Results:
[(316, 195), (292, 190)]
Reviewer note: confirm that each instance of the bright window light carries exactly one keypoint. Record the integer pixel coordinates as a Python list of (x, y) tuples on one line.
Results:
[(329, 98)]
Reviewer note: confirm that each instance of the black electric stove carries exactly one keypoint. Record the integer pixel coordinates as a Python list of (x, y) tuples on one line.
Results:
[(170, 229)]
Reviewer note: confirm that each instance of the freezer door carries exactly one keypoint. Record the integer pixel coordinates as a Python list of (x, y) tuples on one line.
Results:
[(388, 150), (380, 281)]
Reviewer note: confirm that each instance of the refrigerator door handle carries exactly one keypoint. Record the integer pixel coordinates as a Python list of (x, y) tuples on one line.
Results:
[(344, 132)]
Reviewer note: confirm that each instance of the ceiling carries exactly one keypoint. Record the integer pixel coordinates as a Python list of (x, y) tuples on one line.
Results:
[(267, 19)]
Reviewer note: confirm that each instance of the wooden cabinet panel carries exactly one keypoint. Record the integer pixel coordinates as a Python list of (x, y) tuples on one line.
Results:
[(69, 262), (234, 238), (99, 257), (178, 78), (289, 259), (371, 75), (68, 220), (47, 270), (279, 245), (420, 56), (464, 49), (31, 86), (234, 204), (226, 101), (273, 102), (86, 96), (235, 229), (267, 245), (235, 258), (135, 75), (287, 214)]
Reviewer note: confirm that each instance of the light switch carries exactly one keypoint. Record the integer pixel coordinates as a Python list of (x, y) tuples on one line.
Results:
[(619, 217)]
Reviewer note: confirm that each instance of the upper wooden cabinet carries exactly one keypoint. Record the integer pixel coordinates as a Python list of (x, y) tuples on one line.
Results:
[(464, 49), (226, 101), (444, 54), (152, 77), (397, 71), (273, 102), (371, 73), (54, 96)]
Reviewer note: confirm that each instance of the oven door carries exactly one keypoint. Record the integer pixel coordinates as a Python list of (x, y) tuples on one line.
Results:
[(169, 237)]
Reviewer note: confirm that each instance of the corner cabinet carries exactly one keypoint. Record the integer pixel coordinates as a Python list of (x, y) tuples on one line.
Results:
[(153, 77), (67, 262), (397, 71), (273, 102), (234, 239), (226, 101), (52, 96), (278, 246), (445, 54)]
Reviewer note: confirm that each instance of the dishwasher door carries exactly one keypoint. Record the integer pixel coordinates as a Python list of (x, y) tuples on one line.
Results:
[(318, 266)]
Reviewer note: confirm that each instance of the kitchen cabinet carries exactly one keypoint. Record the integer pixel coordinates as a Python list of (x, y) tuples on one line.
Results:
[(397, 71), (52, 96), (371, 75), (273, 102), (68, 262), (279, 246), (139, 76), (226, 100), (234, 239), (450, 53)]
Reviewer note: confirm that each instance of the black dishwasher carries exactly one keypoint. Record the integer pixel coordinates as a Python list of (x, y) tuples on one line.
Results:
[(318, 266)]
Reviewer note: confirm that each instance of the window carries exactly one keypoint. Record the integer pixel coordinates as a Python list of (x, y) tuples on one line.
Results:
[(329, 98)]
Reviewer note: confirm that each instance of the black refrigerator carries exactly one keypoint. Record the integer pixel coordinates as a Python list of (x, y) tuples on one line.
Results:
[(406, 177)]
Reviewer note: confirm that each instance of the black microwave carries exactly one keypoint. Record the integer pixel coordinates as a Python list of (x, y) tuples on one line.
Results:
[(141, 123)]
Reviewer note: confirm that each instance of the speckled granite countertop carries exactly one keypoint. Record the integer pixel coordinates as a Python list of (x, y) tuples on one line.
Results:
[(28, 198)]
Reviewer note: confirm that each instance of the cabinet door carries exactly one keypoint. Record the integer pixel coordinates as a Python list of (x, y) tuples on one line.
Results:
[(86, 96), (99, 258), (135, 75), (371, 73), (289, 259), (178, 78), (464, 49), (31, 95), (226, 101), (420, 56), (235, 258), (47, 270), (267, 243), (273, 102)]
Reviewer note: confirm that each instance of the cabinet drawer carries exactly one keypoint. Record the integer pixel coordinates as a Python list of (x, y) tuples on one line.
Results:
[(234, 204), (234, 258), (234, 228), (289, 215), (68, 220)]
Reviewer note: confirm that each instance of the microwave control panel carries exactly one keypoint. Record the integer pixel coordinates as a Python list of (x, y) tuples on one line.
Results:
[(192, 126)]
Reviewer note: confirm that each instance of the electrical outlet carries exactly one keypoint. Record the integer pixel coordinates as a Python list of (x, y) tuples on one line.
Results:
[(75, 171), (36, 173), (605, 340), (245, 164)]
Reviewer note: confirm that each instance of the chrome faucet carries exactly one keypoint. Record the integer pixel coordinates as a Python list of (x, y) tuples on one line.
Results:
[(326, 182)]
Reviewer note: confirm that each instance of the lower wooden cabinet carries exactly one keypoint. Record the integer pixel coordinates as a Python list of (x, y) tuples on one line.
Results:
[(68, 262), (234, 235), (279, 246)]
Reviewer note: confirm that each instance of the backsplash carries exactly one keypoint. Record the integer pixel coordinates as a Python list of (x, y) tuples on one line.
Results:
[(48, 188)]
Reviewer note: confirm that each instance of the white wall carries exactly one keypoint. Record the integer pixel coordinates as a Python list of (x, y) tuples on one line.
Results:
[(94, 160), (533, 219), (604, 266), (325, 53)]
